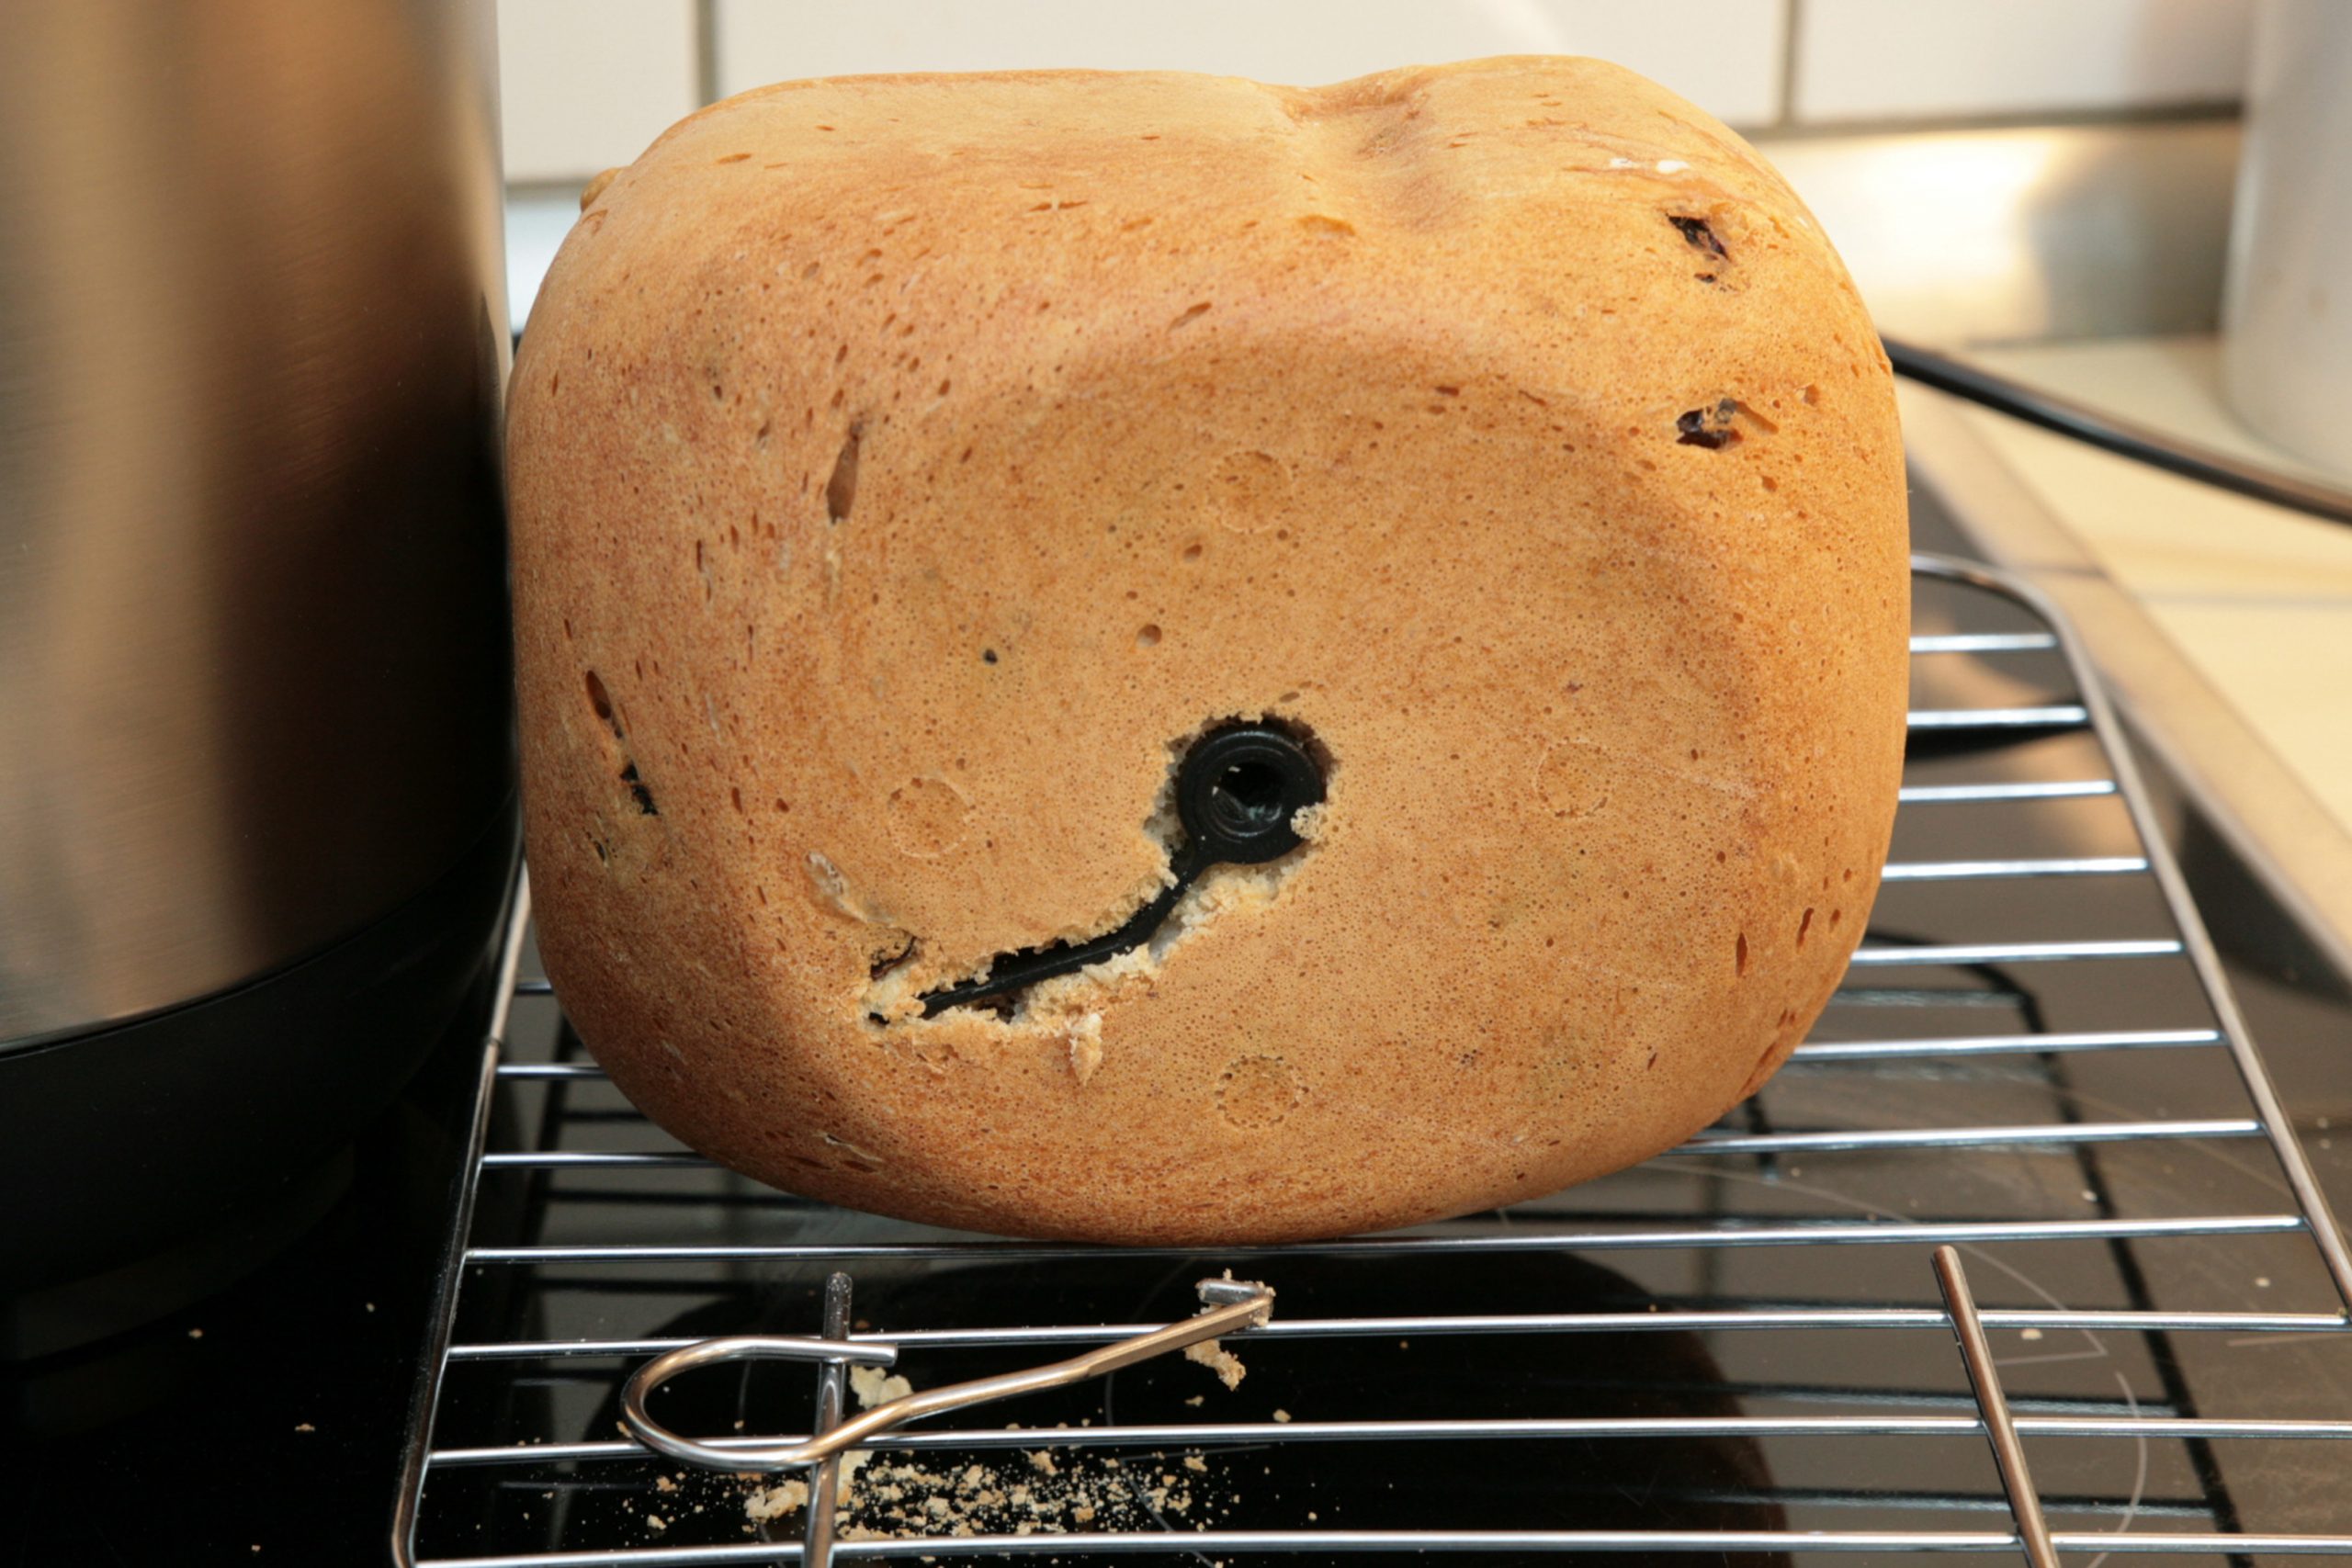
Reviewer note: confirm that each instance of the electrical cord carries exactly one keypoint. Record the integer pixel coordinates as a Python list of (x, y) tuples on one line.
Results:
[(2123, 437)]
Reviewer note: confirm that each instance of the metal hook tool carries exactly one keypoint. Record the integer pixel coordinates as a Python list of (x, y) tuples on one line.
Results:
[(1239, 792), (1233, 1305)]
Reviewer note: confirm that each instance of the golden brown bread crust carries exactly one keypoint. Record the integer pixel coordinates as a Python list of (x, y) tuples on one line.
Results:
[(901, 466)]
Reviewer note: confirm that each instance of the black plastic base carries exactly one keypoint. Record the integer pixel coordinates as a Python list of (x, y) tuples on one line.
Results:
[(150, 1164)]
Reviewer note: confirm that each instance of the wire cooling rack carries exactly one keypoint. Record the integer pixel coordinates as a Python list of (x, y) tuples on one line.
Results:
[(1764, 1345)]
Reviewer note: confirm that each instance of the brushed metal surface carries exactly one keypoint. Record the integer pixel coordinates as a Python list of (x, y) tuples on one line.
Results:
[(2287, 348), (2022, 234), (253, 666)]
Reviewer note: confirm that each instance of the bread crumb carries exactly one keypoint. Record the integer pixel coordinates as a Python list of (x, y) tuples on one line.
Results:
[(873, 1386), (1194, 1462), (304, 1427), (198, 1334), (1218, 1360), (786, 1497), (1282, 1416), (1085, 1036), (1197, 1401), (654, 1521), (663, 1484)]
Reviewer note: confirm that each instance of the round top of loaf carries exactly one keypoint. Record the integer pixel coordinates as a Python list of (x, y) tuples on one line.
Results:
[(907, 469)]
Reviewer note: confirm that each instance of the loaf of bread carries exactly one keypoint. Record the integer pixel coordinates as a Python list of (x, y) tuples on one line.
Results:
[(909, 472)]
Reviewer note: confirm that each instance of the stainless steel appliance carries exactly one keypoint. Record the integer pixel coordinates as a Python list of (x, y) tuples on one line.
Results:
[(2288, 332), (255, 815)]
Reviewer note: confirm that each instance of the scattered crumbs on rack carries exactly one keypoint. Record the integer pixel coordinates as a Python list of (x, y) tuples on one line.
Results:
[(1039, 1494), (655, 1522), (663, 1484), (2029, 1334), (1282, 1417), (304, 1427)]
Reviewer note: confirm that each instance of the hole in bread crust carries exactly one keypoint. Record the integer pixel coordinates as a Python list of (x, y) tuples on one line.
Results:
[(841, 490), (1804, 926), (638, 792), (601, 701), (1709, 427), (898, 995), (1739, 956), (1699, 236)]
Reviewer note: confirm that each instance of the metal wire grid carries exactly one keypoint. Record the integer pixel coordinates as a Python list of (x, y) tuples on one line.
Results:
[(760, 1232)]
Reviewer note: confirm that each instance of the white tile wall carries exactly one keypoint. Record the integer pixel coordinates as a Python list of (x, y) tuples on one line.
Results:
[(589, 83), (1731, 67), (585, 84), (1913, 58)]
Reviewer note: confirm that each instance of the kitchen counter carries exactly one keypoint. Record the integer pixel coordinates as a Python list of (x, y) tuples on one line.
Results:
[(2258, 598)]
